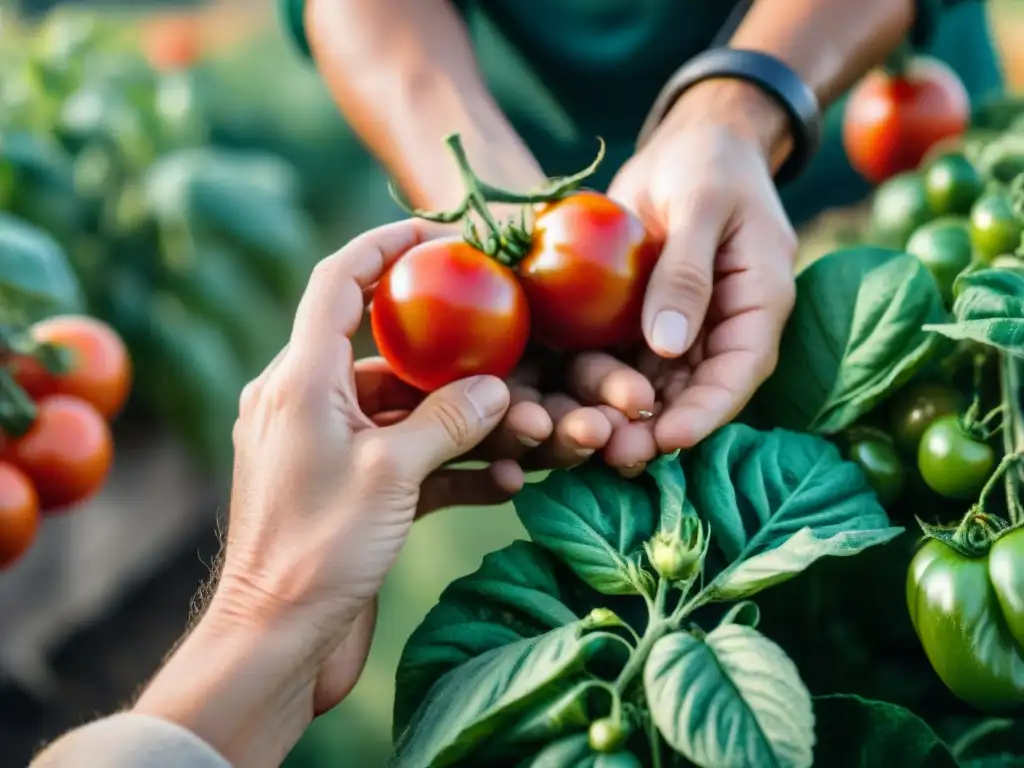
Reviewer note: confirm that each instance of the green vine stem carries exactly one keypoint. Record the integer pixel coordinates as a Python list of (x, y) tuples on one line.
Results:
[(507, 242), (1013, 434), (17, 411), (899, 60)]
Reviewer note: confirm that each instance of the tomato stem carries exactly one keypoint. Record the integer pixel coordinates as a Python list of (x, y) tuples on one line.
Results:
[(17, 411), (1013, 433), (899, 60), (508, 242)]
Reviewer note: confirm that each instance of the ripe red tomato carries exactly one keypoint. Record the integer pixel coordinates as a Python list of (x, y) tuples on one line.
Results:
[(586, 273), (67, 454), (100, 372), (19, 514), (891, 122), (446, 310), (172, 42)]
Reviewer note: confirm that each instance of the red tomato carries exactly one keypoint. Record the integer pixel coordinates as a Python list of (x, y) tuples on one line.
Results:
[(172, 42), (100, 372), (586, 273), (445, 311), (67, 454), (19, 514), (891, 122)]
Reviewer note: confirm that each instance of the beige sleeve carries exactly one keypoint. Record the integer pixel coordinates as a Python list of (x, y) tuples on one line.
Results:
[(129, 740)]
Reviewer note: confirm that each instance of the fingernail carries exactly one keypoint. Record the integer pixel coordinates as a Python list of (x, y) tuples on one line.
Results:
[(529, 442), (488, 395), (633, 470), (668, 335), (644, 414), (584, 452)]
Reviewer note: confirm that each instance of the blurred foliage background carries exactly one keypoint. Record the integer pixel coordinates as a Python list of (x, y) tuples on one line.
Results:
[(192, 169)]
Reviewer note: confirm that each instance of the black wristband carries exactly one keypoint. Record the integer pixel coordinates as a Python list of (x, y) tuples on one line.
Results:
[(769, 74)]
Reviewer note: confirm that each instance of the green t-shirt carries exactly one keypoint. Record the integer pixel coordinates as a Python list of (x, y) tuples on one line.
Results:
[(585, 68)]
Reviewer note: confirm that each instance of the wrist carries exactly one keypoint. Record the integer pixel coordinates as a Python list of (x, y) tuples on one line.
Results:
[(242, 680), (740, 107)]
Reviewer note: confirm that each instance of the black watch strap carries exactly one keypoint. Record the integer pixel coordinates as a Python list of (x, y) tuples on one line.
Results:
[(769, 74)]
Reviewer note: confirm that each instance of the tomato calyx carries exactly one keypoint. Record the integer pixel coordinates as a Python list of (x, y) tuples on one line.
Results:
[(507, 242), (898, 61), (17, 411)]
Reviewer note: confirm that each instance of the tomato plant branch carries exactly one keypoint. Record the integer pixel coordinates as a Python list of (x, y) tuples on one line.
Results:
[(1013, 433)]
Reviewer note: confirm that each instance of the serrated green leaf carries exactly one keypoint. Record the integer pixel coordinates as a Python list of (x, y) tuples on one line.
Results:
[(989, 309), (731, 700), (594, 520), (760, 490)]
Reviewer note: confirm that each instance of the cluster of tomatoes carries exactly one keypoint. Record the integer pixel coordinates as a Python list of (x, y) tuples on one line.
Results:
[(65, 455), (452, 308)]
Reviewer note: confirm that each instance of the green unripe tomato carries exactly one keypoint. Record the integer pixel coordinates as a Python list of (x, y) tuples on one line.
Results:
[(607, 735), (898, 207), (915, 407), (881, 464), (952, 463), (995, 227), (952, 185), (944, 247), (968, 613)]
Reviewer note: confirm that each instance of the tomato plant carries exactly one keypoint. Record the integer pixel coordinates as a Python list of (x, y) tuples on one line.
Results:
[(893, 118), (913, 409), (99, 370), (19, 514), (586, 273), (67, 453), (446, 310), (952, 462)]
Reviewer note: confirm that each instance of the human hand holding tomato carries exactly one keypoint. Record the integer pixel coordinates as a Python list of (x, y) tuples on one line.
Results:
[(723, 287)]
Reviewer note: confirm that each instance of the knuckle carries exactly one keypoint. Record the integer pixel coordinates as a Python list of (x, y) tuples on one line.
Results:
[(685, 281), (453, 421)]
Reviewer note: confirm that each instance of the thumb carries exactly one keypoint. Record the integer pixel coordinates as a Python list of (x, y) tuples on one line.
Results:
[(448, 423), (679, 291)]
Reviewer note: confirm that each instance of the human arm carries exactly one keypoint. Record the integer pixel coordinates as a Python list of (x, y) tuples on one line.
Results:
[(723, 288)]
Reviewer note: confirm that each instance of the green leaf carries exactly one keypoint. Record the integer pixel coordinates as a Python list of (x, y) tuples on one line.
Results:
[(563, 711), (667, 473), (989, 309), (44, 191), (776, 502), (854, 337), (574, 752), (731, 700), (35, 276), (595, 520), (860, 733), (513, 595), (481, 697)]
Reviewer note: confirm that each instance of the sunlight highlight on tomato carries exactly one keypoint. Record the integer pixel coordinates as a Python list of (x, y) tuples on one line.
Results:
[(445, 311), (586, 273)]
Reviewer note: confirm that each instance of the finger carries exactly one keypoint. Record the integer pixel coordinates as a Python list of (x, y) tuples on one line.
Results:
[(630, 448), (331, 308), (680, 286), (489, 486), (740, 353), (380, 390), (447, 424), (579, 432), (598, 378), (525, 426)]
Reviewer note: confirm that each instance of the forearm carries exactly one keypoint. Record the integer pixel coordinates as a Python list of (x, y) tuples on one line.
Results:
[(404, 75), (244, 690)]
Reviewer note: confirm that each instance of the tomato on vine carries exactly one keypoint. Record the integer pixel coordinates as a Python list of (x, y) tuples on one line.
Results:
[(952, 185), (446, 310), (878, 459), (586, 273), (895, 115), (996, 228), (66, 454), (607, 735), (944, 247), (19, 514), (915, 407), (967, 610), (952, 462), (99, 369)]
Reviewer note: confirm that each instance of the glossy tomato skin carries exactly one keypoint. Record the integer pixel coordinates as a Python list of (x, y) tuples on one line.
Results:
[(944, 247), (67, 454), (101, 370), (586, 273), (953, 185), (891, 122), (445, 311), (881, 465), (952, 463), (914, 408), (1006, 570), (995, 227), (962, 627), (19, 514)]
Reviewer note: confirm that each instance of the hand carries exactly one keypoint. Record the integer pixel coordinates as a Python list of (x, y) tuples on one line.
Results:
[(327, 483), (724, 286)]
